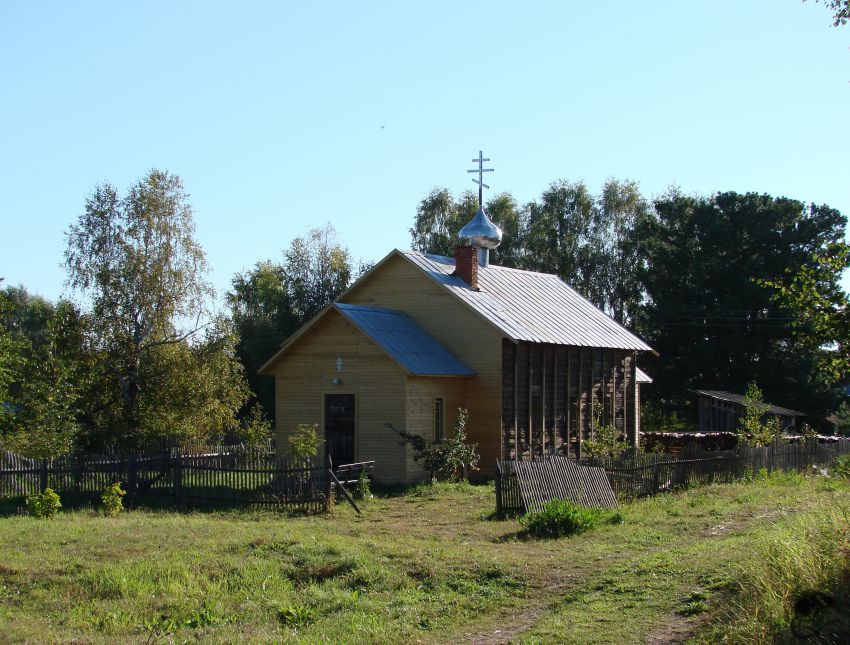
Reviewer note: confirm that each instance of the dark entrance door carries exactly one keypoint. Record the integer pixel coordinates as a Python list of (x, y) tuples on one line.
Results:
[(339, 428)]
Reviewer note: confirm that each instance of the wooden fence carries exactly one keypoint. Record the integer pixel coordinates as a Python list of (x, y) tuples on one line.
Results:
[(199, 476), (634, 473), (533, 483)]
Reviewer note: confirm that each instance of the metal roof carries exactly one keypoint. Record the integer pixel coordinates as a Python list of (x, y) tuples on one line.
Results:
[(530, 306), (739, 399), (641, 376), (407, 343)]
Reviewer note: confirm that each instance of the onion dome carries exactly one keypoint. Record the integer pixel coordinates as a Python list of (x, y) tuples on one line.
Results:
[(481, 232)]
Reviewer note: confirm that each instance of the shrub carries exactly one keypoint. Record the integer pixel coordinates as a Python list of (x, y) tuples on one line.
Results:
[(841, 467), (46, 504), (757, 427), (363, 490), (607, 441), (447, 459), (304, 442), (560, 518), (111, 499)]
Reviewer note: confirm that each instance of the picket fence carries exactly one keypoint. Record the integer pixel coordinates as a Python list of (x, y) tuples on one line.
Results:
[(198, 475)]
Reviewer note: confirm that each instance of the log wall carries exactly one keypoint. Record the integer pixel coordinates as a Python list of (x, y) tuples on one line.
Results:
[(554, 397)]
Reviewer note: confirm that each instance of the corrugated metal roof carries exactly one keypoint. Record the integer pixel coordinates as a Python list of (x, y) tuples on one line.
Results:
[(530, 306), (406, 342), (641, 376), (731, 397)]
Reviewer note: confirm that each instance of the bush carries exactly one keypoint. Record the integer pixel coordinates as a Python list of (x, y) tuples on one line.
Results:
[(363, 490), (449, 459), (304, 442), (560, 518), (111, 499), (841, 467), (47, 504)]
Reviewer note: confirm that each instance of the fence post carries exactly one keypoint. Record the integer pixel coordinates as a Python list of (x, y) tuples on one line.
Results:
[(328, 472), (177, 469), (499, 508), (131, 476), (43, 475)]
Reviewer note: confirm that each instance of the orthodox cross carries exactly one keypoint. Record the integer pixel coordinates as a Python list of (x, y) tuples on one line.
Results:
[(480, 181)]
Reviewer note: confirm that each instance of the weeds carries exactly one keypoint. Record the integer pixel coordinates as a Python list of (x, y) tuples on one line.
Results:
[(44, 505), (561, 518)]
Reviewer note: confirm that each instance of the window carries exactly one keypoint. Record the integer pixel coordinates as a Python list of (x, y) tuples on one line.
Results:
[(438, 420)]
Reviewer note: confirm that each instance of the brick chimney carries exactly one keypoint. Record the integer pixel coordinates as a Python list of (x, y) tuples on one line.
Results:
[(466, 265)]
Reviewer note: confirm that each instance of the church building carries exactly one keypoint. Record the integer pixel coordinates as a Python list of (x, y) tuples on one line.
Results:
[(537, 366)]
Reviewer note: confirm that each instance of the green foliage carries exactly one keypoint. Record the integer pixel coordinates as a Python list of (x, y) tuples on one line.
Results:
[(296, 616), (111, 499), (451, 458), (305, 441), (707, 310), (841, 467), (274, 299), (363, 490), (165, 365), (842, 419), (606, 441), (560, 518), (588, 240), (256, 428), (44, 390), (840, 11), (44, 505), (820, 309), (757, 427)]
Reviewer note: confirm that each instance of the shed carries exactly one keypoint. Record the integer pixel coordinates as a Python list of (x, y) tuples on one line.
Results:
[(721, 411)]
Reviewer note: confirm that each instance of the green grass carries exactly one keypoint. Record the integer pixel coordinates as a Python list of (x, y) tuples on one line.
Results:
[(425, 565)]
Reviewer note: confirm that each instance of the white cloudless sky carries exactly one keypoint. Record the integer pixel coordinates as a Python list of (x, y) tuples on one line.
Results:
[(282, 116)]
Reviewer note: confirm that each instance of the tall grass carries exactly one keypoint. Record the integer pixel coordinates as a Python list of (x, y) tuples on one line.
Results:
[(796, 586)]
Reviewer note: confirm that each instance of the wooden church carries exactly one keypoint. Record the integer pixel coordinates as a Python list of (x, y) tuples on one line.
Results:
[(537, 366)]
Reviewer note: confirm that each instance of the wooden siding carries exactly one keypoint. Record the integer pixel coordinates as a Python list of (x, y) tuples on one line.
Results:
[(553, 396), (400, 285), (304, 376), (421, 393)]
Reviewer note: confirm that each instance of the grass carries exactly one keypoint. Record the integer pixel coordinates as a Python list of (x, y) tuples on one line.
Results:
[(425, 565)]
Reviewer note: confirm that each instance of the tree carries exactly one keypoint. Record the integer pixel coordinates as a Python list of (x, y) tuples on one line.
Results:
[(708, 313), (622, 208), (757, 427), (273, 300), (9, 356), (819, 308), (840, 10), (169, 370), (44, 392), (439, 218)]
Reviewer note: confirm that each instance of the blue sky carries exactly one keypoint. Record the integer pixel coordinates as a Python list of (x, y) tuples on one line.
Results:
[(283, 116)]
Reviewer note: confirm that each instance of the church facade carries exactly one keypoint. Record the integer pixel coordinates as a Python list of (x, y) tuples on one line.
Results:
[(537, 366)]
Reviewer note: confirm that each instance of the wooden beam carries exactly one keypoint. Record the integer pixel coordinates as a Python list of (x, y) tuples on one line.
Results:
[(568, 408), (580, 406), (543, 400), (516, 418), (530, 402), (555, 351)]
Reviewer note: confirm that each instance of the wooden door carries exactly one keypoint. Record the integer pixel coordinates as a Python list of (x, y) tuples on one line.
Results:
[(339, 428)]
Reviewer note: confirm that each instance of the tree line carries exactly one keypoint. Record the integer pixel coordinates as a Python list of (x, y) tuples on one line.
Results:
[(728, 288)]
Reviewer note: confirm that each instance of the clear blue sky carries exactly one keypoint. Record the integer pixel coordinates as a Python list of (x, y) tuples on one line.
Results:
[(283, 116)]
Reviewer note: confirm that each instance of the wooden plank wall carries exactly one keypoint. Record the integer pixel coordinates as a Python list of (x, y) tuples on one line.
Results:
[(554, 396)]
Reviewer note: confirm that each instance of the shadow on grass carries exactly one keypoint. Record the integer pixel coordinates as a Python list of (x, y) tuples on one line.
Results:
[(73, 502)]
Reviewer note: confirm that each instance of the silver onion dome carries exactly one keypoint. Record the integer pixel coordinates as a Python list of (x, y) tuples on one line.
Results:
[(481, 232)]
